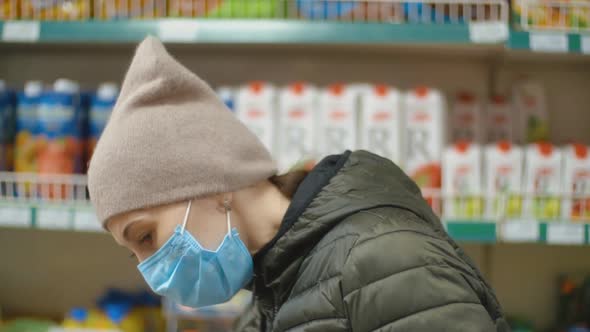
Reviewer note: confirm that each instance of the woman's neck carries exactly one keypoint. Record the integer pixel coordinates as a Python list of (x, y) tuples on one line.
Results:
[(261, 209)]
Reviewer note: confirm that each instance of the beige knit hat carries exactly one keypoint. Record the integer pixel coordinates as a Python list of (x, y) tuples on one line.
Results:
[(170, 139)]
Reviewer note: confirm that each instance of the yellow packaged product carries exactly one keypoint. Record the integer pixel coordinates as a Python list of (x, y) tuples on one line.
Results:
[(59, 10)]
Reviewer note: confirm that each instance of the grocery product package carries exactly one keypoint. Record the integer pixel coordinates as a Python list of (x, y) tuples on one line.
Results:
[(531, 108), (228, 8), (296, 125), (576, 182), (125, 9), (227, 94), (547, 14), (255, 106), (503, 164), (338, 118), (27, 127), (424, 138), (542, 181), (9, 10), (7, 127), (499, 120), (55, 10), (462, 181), (101, 106), (467, 119), (381, 122)]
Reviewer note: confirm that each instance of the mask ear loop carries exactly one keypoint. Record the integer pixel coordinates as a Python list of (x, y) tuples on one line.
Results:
[(228, 216), (188, 210)]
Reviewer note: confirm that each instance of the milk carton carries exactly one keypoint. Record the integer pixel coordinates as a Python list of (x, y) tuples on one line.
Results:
[(381, 122), (542, 181), (255, 107), (461, 186), (503, 164), (296, 134), (499, 120), (227, 95), (424, 137), (338, 112), (27, 127), (466, 119), (101, 106), (533, 123), (576, 182)]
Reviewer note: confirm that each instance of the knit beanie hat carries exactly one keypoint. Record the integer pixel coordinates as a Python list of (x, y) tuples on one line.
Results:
[(170, 139)]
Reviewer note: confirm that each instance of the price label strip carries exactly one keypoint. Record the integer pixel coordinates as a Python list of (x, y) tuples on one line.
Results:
[(565, 233), (86, 220), (16, 216), (520, 231), (21, 31), (54, 218), (178, 31), (488, 32), (549, 42), (585, 44)]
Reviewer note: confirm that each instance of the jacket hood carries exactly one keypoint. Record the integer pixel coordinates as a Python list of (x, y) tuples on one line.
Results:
[(336, 188)]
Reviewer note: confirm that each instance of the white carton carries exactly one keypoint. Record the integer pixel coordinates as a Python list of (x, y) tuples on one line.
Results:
[(338, 115), (381, 122), (296, 134), (576, 182), (461, 185), (255, 107), (531, 107), (503, 164), (424, 140), (467, 119), (542, 181), (499, 120)]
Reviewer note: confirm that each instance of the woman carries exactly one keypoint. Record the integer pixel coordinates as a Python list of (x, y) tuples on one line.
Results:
[(351, 246)]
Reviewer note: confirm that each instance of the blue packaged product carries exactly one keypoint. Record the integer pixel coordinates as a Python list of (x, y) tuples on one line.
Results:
[(326, 9), (7, 127), (101, 106), (226, 94), (27, 127)]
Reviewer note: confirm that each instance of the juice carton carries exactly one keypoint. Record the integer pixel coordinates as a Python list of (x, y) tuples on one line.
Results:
[(499, 120), (550, 14), (327, 9), (7, 127), (424, 138), (338, 113), (63, 10), (59, 130), (576, 182), (542, 181), (466, 119), (227, 95), (101, 106), (27, 127), (9, 10), (295, 135), (124, 9), (462, 180), (255, 107), (529, 100), (503, 163), (381, 122)]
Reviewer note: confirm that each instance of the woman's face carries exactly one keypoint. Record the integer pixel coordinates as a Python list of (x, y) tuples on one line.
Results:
[(145, 231)]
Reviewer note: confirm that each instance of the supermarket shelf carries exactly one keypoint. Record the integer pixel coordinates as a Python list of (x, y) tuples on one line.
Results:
[(550, 42), (80, 217), (234, 31), (520, 231)]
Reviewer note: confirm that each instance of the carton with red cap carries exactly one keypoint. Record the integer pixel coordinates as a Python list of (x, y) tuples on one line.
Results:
[(542, 181), (461, 185), (576, 182), (381, 122), (338, 116), (424, 138), (502, 169), (466, 119), (255, 106), (499, 120), (296, 134)]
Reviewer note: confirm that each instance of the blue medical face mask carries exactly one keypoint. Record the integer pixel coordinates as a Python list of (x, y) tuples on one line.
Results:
[(191, 275)]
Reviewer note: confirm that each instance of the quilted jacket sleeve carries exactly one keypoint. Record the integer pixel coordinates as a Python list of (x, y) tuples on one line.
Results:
[(407, 279)]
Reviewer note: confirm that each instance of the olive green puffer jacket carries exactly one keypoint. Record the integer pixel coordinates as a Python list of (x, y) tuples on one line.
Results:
[(360, 250)]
